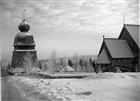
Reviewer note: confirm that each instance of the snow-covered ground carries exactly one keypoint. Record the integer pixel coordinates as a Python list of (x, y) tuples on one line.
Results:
[(97, 87)]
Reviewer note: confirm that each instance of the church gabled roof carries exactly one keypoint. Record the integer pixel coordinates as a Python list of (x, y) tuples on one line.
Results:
[(102, 58), (118, 48), (134, 32)]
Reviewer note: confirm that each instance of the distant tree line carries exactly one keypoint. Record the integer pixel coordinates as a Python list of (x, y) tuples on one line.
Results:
[(55, 64)]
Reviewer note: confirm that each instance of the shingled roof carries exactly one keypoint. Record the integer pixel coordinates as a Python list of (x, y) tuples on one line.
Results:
[(118, 48), (103, 58), (134, 32)]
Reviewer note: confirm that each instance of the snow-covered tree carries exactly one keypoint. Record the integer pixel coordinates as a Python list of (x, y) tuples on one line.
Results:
[(53, 61), (8, 66), (76, 62), (28, 62), (39, 65)]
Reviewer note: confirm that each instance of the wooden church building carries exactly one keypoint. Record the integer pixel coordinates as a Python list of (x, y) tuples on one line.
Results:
[(23, 44), (121, 52)]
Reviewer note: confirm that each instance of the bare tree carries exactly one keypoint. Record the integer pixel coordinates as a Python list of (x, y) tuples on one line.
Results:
[(83, 65), (8, 66), (100, 69), (76, 62), (53, 61), (39, 65), (62, 62), (44, 65)]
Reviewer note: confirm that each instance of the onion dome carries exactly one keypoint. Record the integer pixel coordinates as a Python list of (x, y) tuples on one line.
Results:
[(24, 38), (24, 26)]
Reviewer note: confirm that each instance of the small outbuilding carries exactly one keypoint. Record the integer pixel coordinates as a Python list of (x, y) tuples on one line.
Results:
[(67, 68), (18, 71), (35, 69)]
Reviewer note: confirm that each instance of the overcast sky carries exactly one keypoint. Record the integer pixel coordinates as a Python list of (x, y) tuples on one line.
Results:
[(65, 26)]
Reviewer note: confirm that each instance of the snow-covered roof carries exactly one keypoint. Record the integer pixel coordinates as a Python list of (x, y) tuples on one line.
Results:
[(11, 69), (35, 69), (18, 70), (67, 69)]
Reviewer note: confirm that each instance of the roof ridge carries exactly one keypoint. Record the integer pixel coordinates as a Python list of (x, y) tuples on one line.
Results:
[(113, 39), (131, 25)]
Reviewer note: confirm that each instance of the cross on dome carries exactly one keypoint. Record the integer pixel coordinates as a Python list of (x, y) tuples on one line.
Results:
[(24, 26)]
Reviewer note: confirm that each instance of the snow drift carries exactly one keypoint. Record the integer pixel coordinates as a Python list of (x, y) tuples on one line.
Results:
[(98, 87)]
